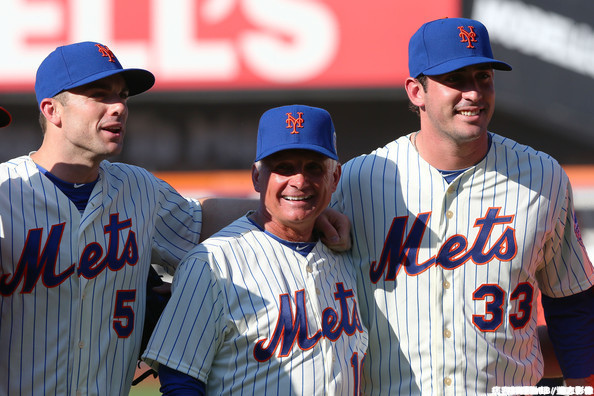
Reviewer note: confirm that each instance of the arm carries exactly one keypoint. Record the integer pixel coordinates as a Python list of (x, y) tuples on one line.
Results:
[(175, 383), (570, 321), (566, 281), (551, 365), (188, 333)]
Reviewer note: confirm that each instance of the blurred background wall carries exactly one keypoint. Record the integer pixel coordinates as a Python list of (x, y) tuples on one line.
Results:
[(220, 63)]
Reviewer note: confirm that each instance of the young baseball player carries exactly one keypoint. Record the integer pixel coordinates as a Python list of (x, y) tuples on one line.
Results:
[(78, 234), (263, 307), (5, 117), (455, 231)]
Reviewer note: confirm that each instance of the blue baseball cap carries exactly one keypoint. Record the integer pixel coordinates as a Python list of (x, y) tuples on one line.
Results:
[(449, 44), (5, 117), (296, 127), (73, 65)]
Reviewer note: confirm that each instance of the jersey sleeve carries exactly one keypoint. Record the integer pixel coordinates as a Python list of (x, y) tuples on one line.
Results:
[(190, 329), (177, 227), (567, 269)]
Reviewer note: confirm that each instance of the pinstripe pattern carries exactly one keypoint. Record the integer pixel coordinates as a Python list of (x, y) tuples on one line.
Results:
[(58, 336), (422, 335), (226, 297)]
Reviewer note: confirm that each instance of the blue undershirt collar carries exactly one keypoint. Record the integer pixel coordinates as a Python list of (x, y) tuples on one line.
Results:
[(78, 193), (303, 248)]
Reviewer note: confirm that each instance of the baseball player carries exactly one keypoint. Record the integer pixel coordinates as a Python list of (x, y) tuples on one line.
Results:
[(263, 307), (5, 117), (455, 229), (78, 234)]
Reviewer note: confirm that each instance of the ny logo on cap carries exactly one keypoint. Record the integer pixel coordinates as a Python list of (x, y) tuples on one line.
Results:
[(467, 37), (106, 52), (293, 122)]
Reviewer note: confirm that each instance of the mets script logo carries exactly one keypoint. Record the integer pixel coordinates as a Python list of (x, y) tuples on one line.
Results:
[(291, 329), (293, 122), (467, 37), (106, 52), (39, 260), (402, 250)]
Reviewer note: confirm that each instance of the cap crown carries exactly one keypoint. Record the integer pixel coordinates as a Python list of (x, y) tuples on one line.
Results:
[(296, 127), (73, 65), (445, 45)]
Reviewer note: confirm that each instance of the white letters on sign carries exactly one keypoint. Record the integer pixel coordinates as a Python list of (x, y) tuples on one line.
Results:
[(283, 41)]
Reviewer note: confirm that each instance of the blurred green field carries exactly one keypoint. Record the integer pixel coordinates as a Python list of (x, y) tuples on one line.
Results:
[(148, 387), (143, 389)]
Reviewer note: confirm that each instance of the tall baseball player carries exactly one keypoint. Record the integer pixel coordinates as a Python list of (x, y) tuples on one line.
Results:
[(455, 230), (78, 234), (263, 307), (5, 117)]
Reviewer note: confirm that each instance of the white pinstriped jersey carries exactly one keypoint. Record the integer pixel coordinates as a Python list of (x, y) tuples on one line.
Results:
[(449, 273), (72, 286), (249, 315)]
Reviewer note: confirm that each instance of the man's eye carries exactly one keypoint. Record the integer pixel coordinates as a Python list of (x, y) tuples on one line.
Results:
[(98, 94), (283, 169), (452, 79), (314, 168)]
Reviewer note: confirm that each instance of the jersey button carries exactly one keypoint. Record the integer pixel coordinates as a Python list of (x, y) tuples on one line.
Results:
[(318, 291), (447, 333), (309, 269), (81, 344), (449, 214), (447, 381), (446, 285)]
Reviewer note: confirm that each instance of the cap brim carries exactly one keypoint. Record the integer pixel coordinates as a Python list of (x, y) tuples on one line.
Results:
[(459, 63), (5, 117), (317, 149), (137, 80)]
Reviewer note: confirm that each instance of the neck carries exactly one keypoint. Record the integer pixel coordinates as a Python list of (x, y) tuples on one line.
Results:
[(449, 154), (67, 170), (299, 232)]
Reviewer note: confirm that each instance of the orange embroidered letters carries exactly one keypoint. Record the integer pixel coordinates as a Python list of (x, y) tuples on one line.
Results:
[(293, 122), (467, 37), (106, 52)]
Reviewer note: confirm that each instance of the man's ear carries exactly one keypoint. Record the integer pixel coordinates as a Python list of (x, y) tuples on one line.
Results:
[(51, 110), (415, 91), (336, 175), (256, 178)]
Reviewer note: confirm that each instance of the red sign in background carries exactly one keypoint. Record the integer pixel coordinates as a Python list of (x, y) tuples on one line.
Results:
[(226, 44)]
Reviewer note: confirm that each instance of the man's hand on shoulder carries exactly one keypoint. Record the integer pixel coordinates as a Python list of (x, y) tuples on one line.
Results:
[(334, 229)]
